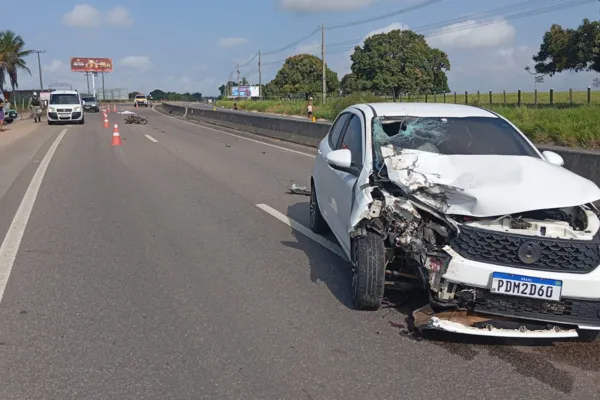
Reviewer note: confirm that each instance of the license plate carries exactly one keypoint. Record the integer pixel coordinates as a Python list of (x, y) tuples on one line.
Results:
[(526, 286)]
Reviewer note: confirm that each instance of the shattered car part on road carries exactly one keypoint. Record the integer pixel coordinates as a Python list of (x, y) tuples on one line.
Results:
[(502, 239)]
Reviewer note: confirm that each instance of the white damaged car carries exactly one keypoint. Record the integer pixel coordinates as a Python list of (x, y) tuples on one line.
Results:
[(457, 201)]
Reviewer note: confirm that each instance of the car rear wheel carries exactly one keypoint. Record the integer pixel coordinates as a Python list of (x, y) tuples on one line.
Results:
[(317, 222), (368, 278)]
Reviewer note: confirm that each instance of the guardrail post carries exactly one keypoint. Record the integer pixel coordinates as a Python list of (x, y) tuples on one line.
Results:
[(519, 98), (185, 113), (589, 92), (551, 96), (571, 96), (466, 97), (490, 97), (535, 97)]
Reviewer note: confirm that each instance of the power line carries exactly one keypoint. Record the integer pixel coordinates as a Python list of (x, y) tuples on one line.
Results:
[(554, 5), (480, 15), (293, 44), (385, 16)]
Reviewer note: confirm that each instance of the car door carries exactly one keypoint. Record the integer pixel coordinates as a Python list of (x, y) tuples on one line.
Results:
[(344, 187), (323, 174), (340, 185)]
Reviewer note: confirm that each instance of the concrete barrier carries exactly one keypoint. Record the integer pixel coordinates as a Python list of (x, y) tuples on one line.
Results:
[(583, 162)]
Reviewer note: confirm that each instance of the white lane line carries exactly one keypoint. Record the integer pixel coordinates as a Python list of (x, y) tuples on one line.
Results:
[(150, 138), (333, 247), (242, 137), (12, 240)]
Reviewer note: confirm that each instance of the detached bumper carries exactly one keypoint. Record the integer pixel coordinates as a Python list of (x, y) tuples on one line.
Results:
[(466, 323)]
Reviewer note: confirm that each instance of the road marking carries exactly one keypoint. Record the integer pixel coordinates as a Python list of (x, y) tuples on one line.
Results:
[(150, 138), (333, 247), (242, 137), (12, 240)]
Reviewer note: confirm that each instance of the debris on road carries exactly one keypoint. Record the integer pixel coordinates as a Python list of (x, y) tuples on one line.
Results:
[(301, 190)]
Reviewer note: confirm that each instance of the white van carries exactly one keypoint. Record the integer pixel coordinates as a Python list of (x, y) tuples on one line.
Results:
[(65, 106)]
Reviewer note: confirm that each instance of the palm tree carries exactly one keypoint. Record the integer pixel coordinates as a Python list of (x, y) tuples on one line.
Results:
[(12, 58)]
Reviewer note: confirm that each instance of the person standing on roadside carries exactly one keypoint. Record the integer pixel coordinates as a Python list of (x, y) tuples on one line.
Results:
[(1, 114), (34, 106), (309, 108)]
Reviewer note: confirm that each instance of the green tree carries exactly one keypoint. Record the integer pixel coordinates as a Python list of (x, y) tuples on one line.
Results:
[(302, 74), (401, 62), (569, 49), (349, 84), (12, 48)]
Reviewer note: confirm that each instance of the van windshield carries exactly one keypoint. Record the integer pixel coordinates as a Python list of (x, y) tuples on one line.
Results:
[(64, 99)]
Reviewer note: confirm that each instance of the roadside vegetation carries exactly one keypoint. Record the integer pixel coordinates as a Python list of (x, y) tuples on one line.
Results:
[(568, 126), (12, 59), (401, 65)]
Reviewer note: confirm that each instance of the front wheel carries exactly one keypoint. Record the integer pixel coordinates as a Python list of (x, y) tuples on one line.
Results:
[(317, 222), (368, 278)]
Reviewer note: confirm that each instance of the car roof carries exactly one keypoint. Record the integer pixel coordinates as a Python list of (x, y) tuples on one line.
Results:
[(425, 110), (65, 92)]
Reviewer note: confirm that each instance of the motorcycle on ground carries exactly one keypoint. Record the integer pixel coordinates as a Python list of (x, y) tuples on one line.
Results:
[(135, 119)]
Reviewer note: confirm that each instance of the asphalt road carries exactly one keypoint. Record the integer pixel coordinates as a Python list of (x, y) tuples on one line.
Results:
[(147, 271)]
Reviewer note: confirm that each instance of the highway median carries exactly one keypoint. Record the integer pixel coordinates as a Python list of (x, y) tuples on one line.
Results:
[(585, 162)]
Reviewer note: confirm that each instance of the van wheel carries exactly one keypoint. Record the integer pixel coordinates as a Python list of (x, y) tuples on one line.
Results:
[(368, 278)]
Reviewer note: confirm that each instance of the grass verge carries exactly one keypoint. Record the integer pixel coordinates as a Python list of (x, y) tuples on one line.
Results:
[(575, 126)]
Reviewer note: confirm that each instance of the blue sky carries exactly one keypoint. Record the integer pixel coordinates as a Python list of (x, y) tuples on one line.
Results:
[(194, 45)]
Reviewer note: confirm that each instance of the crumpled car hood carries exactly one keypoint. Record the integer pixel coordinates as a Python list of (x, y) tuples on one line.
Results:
[(486, 185)]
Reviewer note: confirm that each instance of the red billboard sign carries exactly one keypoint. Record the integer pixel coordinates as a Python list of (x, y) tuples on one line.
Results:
[(85, 64)]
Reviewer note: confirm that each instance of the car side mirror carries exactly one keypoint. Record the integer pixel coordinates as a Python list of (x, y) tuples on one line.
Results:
[(341, 160), (553, 158)]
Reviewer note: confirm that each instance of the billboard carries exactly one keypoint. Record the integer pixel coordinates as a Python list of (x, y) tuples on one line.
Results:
[(245, 91), (85, 64)]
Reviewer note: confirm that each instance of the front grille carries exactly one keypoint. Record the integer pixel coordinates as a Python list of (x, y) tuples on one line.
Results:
[(557, 255), (63, 110), (566, 311)]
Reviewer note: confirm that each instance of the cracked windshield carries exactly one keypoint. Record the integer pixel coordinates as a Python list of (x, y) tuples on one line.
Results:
[(195, 205)]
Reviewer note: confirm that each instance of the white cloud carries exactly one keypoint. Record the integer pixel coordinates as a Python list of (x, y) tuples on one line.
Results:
[(325, 5), (309, 48), (391, 27), (83, 16), (119, 16), (468, 35), (55, 66), (87, 16), (232, 41), (137, 62)]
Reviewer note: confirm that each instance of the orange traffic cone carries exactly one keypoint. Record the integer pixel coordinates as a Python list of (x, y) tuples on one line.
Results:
[(116, 137), (115, 108), (105, 121)]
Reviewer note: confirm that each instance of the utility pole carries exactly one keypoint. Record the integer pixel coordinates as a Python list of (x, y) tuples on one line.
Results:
[(237, 67), (87, 79), (259, 78), (323, 60), (40, 67), (103, 90)]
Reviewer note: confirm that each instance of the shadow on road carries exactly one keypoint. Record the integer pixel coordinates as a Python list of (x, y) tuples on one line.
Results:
[(325, 267)]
